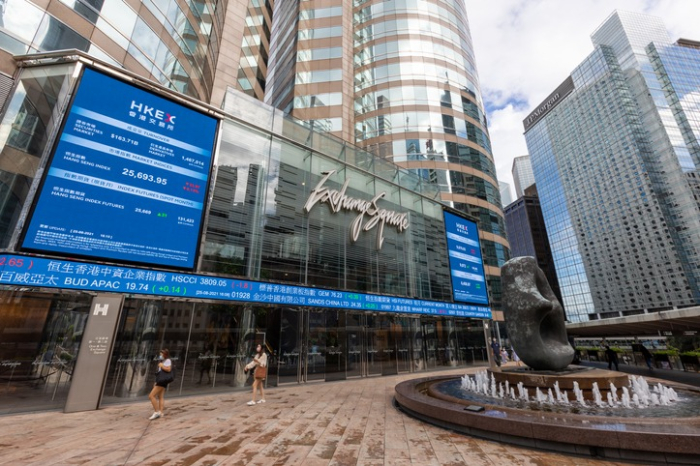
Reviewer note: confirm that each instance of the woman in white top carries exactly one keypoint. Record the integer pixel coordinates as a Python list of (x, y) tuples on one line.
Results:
[(157, 395), (259, 364)]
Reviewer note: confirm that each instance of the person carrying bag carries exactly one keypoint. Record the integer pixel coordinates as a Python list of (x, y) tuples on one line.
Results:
[(259, 374), (164, 376)]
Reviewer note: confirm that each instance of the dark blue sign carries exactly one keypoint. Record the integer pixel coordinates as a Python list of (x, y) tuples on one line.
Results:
[(27, 271), (466, 264), (128, 179)]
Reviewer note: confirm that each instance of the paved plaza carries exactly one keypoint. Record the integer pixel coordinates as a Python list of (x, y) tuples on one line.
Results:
[(339, 423)]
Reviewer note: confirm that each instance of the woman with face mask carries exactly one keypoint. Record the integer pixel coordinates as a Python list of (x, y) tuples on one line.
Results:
[(259, 364), (157, 395)]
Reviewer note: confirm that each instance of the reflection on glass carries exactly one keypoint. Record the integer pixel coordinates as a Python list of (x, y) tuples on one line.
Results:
[(55, 35), (209, 345), (41, 337)]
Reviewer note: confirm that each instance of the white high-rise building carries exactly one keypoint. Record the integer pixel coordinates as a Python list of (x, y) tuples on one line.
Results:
[(523, 176)]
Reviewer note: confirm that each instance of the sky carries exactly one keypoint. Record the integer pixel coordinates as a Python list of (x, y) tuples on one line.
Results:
[(525, 48)]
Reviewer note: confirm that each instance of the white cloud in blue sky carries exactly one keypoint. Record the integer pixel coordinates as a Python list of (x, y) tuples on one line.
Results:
[(526, 48)]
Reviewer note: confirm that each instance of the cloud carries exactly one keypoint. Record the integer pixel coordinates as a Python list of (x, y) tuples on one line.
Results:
[(525, 48)]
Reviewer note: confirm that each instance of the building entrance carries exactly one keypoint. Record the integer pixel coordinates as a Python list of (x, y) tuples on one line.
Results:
[(331, 344)]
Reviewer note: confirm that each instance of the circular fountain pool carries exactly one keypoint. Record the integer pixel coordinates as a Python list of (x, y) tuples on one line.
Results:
[(687, 404), (639, 430)]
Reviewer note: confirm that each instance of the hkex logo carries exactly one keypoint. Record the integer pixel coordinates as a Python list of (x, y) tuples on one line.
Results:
[(153, 112)]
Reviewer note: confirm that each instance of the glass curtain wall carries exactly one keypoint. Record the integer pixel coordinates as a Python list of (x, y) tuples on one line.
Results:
[(40, 338), (209, 344), (258, 225)]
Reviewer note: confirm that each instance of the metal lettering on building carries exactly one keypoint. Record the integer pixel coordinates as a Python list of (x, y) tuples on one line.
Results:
[(338, 200), (549, 103)]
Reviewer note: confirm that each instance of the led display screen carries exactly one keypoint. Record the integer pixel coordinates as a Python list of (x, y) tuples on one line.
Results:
[(65, 274), (128, 178), (466, 263)]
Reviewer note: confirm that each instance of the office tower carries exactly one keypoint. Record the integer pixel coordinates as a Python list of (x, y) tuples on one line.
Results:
[(392, 77), (506, 196), (523, 176), (145, 183), (527, 234), (615, 150), (197, 48), (403, 88)]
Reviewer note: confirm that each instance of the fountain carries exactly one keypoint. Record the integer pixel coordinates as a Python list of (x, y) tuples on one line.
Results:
[(554, 405)]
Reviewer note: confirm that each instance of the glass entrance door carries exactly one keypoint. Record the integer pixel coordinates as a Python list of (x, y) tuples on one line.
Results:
[(303, 346), (355, 343), (336, 345), (315, 361), (291, 346)]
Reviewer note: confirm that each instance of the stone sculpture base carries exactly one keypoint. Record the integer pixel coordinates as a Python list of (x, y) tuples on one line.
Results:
[(544, 380)]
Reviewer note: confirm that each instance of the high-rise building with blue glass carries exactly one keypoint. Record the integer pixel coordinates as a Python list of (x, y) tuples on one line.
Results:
[(615, 151)]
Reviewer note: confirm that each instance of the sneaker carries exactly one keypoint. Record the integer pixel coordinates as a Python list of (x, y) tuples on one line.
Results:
[(154, 416), (251, 403), (261, 401)]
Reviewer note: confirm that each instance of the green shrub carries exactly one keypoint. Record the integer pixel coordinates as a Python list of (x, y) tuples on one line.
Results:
[(667, 352)]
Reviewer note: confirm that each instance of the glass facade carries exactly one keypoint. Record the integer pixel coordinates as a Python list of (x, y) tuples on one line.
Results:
[(258, 226), (401, 82), (417, 103), (178, 44), (615, 163), (523, 176)]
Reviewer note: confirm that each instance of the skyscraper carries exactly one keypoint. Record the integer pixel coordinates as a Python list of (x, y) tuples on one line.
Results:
[(523, 176), (207, 221), (506, 196), (395, 78), (197, 48), (527, 234), (615, 150)]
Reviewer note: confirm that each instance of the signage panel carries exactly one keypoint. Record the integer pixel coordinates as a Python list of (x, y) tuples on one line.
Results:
[(552, 100), (466, 264), (128, 178), (93, 358), (39, 272)]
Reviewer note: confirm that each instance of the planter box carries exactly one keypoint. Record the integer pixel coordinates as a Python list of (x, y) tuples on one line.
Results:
[(690, 363)]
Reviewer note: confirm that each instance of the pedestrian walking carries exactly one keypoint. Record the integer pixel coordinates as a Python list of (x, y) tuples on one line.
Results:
[(496, 350), (611, 355), (164, 376), (646, 354), (259, 367), (514, 356)]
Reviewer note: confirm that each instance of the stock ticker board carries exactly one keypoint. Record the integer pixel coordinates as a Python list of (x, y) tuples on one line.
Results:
[(37, 272)]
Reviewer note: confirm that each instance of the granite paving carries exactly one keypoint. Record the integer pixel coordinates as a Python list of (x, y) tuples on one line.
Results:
[(351, 422)]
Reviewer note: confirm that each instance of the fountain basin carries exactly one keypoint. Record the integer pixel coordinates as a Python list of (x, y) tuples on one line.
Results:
[(648, 440)]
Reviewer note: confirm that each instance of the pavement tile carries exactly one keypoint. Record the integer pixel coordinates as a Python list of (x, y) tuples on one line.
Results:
[(349, 423)]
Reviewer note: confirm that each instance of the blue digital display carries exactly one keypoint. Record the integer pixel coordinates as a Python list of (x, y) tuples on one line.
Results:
[(466, 264), (128, 179), (28, 271)]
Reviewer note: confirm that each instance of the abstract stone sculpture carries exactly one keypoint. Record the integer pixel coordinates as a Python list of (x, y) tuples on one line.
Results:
[(534, 317)]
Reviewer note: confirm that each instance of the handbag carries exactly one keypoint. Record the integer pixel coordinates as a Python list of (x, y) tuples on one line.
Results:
[(260, 372), (165, 378)]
